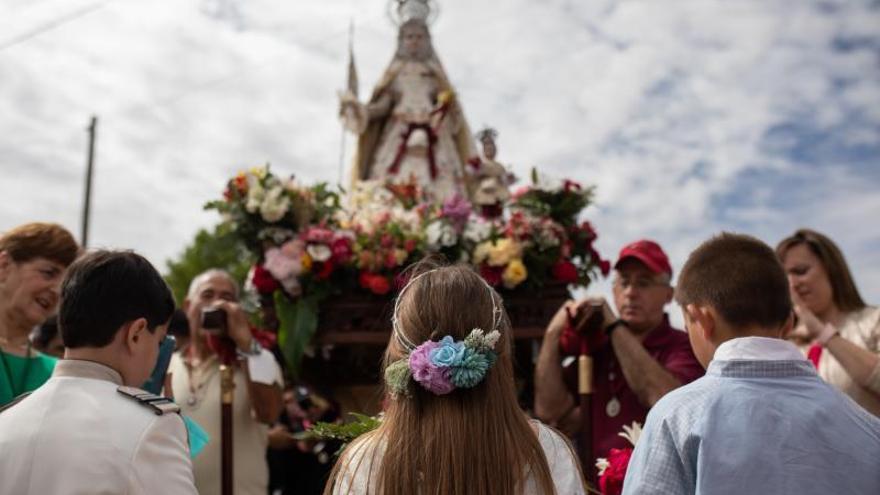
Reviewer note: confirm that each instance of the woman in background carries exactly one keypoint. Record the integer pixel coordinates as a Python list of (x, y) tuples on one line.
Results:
[(33, 260), (840, 331)]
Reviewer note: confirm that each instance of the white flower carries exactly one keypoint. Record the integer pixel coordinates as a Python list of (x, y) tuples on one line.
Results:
[(477, 230), (255, 195), (440, 234), (632, 433), (274, 205), (602, 464), (319, 252)]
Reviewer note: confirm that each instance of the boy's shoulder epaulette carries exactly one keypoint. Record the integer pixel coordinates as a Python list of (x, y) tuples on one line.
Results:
[(160, 405)]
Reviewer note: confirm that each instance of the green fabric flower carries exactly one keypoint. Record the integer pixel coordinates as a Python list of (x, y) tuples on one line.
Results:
[(471, 370), (397, 376)]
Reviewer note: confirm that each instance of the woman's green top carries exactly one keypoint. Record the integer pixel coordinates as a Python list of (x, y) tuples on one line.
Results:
[(23, 374)]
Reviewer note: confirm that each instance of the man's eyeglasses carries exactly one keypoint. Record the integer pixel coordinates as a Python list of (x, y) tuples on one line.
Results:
[(640, 283)]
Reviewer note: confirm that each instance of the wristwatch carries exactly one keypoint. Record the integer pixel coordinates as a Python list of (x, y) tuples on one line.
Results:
[(610, 328), (254, 350)]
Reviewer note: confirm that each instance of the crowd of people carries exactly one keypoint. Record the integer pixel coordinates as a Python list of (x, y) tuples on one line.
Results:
[(773, 386)]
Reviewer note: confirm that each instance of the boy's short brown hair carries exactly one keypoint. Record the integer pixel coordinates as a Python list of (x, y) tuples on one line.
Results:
[(40, 240), (740, 277)]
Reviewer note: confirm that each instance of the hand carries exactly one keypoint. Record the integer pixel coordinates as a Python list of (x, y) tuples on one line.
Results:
[(239, 329), (281, 438), (810, 321), (560, 320)]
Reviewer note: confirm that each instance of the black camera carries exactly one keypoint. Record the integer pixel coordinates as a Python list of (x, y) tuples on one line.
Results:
[(214, 321)]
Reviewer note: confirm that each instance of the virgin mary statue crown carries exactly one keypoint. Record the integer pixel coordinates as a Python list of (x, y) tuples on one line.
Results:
[(412, 10)]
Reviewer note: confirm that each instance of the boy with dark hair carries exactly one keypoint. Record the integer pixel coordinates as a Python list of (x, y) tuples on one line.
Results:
[(87, 429), (760, 420)]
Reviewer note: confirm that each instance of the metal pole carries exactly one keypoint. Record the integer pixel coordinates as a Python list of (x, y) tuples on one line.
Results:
[(89, 167)]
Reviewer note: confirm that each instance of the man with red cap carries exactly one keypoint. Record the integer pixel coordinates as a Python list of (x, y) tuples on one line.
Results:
[(639, 358)]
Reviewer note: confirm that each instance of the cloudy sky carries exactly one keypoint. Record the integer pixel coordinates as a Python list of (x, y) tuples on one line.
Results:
[(690, 116)]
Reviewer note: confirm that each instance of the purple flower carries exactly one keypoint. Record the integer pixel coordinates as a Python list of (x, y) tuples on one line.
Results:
[(457, 209), (433, 378)]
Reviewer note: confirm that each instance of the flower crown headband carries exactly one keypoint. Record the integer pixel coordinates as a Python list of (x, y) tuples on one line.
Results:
[(447, 365)]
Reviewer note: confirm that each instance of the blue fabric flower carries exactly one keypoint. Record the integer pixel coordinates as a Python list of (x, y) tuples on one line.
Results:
[(471, 370), (447, 353)]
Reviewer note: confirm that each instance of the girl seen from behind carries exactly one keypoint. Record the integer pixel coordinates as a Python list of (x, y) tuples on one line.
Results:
[(452, 424)]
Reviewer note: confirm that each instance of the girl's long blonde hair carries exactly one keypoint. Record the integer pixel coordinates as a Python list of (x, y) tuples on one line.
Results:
[(473, 441)]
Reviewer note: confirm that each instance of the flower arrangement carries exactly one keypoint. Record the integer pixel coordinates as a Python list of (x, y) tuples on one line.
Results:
[(612, 470), (309, 246), (441, 367)]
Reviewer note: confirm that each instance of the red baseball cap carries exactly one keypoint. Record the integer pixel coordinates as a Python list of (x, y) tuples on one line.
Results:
[(648, 252)]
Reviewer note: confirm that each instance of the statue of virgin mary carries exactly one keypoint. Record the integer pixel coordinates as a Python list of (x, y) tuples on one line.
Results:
[(412, 128)]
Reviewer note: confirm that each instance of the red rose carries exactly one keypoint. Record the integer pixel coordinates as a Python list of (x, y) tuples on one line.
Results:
[(341, 249), (379, 285), (387, 241), (264, 281), (491, 274), (390, 260), (410, 245), (611, 481), (570, 185), (605, 266), (364, 279), (565, 271), (324, 270)]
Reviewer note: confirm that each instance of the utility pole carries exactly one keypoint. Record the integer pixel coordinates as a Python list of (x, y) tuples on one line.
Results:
[(88, 198)]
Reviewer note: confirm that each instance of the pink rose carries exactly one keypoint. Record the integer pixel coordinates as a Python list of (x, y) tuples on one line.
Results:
[(433, 378)]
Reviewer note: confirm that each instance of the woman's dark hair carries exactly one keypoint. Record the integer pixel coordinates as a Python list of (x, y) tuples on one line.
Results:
[(104, 290), (845, 294)]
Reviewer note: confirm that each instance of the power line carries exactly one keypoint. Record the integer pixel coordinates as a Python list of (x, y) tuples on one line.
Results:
[(53, 24)]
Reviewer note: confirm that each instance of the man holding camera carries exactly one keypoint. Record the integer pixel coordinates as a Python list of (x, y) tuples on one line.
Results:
[(639, 358), (89, 429), (220, 332)]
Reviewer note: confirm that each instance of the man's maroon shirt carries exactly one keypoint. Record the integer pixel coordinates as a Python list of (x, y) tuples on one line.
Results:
[(668, 346)]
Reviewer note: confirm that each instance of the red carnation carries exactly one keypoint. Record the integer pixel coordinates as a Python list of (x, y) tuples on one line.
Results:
[(491, 274), (380, 285), (565, 271), (611, 481), (264, 281), (364, 279)]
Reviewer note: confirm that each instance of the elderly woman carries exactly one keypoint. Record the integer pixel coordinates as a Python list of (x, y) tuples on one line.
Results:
[(33, 260), (840, 331)]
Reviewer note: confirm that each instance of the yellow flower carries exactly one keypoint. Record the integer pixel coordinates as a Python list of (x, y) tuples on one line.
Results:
[(481, 252), (259, 172), (306, 261), (503, 252), (400, 255), (514, 274)]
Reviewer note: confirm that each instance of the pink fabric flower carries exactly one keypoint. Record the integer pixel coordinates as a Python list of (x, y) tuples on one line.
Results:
[(433, 378)]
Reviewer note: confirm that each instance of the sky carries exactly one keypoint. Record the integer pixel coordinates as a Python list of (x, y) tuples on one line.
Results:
[(690, 117)]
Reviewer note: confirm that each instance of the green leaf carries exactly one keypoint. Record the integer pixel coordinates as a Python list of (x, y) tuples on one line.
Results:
[(298, 323)]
